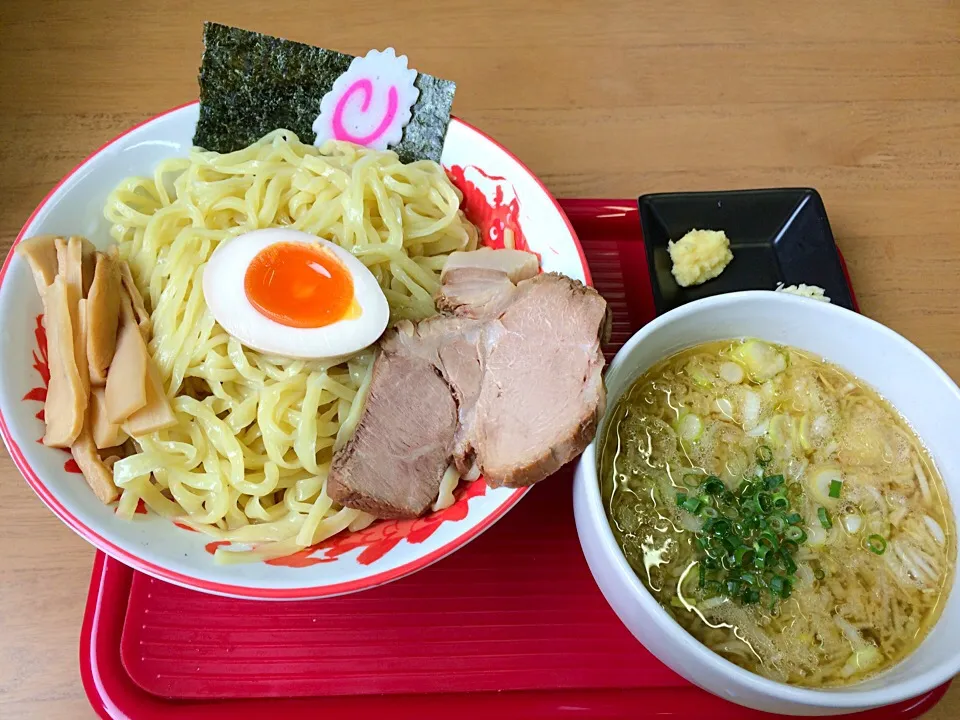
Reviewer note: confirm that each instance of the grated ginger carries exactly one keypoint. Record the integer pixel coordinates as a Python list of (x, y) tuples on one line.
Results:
[(698, 256)]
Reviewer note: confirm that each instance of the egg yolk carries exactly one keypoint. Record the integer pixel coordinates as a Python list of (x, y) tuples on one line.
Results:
[(300, 285)]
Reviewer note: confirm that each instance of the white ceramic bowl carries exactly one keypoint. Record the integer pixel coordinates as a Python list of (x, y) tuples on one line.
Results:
[(497, 188), (916, 386)]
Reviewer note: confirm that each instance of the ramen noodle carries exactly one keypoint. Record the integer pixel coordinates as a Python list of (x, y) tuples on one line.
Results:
[(248, 457)]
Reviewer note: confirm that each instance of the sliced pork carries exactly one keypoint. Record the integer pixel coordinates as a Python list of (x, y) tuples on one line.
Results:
[(517, 265), (507, 378), (476, 293), (450, 345), (393, 464), (542, 392)]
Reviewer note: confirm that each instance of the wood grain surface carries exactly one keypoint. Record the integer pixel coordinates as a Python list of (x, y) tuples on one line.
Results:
[(860, 99)]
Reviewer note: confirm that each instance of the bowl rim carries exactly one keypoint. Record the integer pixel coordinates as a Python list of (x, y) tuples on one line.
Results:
[(220, 588), (837, 698)]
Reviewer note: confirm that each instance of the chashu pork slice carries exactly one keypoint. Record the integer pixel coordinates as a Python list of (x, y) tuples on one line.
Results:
[(508, 378), (542, 392), (393, 464), (482, 283), (517, 265), (450, 344)]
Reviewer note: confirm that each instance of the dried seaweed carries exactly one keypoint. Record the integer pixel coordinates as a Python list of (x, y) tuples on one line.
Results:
[(251, 84)]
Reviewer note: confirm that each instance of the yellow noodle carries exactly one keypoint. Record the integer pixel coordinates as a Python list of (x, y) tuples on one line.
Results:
[(248, 458)]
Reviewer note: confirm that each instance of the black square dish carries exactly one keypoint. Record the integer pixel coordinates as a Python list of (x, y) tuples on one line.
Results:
[(776, 235)]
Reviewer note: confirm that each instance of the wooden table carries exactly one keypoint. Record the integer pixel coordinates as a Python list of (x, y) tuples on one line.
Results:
[(860, 99)]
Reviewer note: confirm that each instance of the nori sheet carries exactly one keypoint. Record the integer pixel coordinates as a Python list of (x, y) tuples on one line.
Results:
[(251, 84)]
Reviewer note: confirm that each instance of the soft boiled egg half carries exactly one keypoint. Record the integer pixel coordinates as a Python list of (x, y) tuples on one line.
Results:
[(284, 292)]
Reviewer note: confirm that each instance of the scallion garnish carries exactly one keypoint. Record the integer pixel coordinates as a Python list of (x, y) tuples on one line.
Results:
[(765, 501), (790, 546), (749, 536), (835, 486), (824, 518), (876, 544), (713, 486), (691, 504), (795, 533), (780, 586)]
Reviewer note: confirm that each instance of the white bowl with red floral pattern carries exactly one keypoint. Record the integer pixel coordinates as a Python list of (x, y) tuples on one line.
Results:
[(500, 193)]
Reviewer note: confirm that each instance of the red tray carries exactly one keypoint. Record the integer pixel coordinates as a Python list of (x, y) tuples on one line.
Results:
[(512, 625)]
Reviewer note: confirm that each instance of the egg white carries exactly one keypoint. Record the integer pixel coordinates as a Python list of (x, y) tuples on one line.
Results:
[(223, 290)]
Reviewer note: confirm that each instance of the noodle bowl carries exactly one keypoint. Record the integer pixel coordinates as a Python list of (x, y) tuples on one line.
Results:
[(248, 458), (900, 373), (154, 545)]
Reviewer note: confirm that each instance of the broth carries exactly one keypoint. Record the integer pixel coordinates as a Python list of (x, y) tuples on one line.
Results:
[(780, 510)]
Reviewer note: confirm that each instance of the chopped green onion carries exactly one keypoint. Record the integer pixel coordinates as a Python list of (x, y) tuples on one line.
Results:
[(824, 518), (749, 536), (718, 526), (765, 501), (769, 539), (780, 585), (795, 533), (764, 455), (876, 544), (690, 504), (713, 486), (761, 552), (835, 486)]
